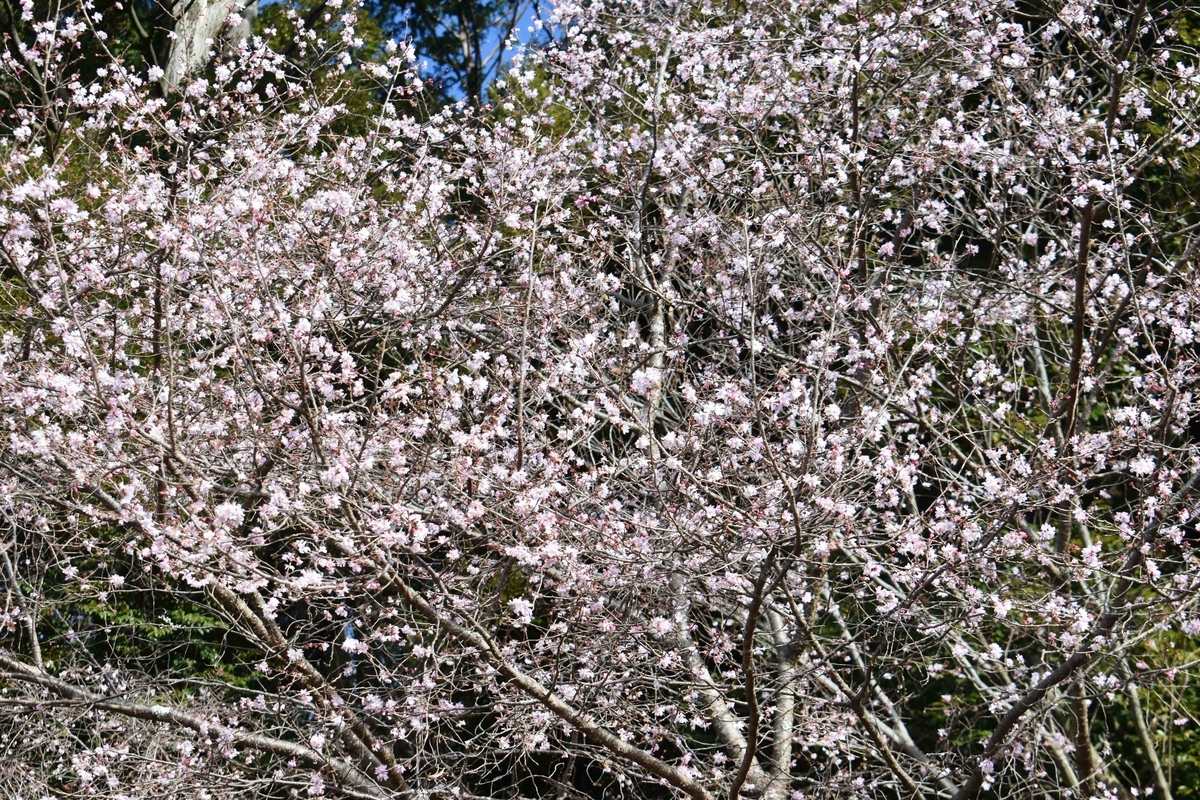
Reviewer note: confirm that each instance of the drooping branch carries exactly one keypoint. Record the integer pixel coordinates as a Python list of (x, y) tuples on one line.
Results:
[(473, 636), (1104, 626), (345, 772)]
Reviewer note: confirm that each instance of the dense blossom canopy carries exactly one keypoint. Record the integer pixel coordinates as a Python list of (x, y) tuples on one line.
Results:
[(775, 399)]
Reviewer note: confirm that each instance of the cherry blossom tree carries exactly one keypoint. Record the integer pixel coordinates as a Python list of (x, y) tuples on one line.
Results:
[(783, 400)]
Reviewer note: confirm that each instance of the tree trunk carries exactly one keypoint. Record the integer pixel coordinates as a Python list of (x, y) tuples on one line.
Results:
[(199, 27)]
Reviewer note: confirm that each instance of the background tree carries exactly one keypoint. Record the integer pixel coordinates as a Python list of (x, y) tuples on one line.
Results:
[(464, 41)]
